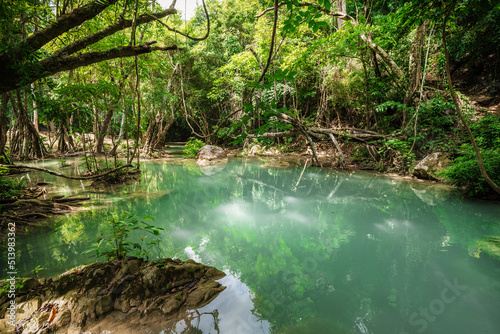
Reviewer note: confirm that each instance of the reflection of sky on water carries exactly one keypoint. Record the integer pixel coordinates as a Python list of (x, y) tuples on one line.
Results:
[(233, 308)]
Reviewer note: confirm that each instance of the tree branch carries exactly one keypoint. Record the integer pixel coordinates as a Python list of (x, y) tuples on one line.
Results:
[(157, 18), (15, 57), (50, 66), (53, 66), (64, 23), (109, 30), (342, 16)]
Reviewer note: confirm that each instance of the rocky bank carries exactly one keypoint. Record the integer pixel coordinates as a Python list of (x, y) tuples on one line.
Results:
[(124, 296)]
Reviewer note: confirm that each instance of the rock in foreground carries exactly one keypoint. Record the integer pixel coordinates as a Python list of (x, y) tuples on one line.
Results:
[(131, 293)]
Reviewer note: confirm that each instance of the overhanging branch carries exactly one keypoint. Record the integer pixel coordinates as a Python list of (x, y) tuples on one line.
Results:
[(66, 63), (338, 14), (64, 23), (109, 30)]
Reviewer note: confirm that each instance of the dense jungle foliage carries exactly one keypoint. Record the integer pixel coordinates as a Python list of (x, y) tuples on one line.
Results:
[(247, 72)]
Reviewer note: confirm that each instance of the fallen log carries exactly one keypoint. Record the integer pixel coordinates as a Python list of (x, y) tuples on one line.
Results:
[(274, 134), (351, 133)]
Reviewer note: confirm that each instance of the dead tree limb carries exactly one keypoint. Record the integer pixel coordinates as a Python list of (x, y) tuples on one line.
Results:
[(336, 143)]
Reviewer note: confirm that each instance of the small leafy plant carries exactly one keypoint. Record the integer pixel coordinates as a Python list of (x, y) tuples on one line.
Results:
[(10, 188), (19, 284), (115, 242), (192, 147), (37, 270)]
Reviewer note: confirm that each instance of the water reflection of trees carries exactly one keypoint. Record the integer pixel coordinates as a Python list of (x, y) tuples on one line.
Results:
[(309, 245)]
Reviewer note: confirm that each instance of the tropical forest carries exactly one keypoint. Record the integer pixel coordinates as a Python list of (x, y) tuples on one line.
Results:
[(249, 166)]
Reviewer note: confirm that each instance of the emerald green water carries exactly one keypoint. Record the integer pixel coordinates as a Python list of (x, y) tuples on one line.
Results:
[(328, 252)]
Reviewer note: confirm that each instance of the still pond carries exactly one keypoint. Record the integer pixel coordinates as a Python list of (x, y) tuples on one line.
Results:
[(304, 250)]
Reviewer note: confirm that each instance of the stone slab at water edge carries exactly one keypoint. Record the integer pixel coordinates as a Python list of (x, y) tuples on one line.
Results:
[(209, 154), (127, 296), (430, 166)]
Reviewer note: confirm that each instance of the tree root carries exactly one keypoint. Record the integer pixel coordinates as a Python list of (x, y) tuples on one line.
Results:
[(31, 211), (51, 172)]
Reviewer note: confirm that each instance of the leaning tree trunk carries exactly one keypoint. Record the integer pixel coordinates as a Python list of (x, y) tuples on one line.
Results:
[(341, 7), (157, 133), (162, 138), (26, 142), (152, 132)]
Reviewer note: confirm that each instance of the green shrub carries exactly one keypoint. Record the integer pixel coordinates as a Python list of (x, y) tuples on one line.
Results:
[(114, 242), (192, 148), (464, 172)]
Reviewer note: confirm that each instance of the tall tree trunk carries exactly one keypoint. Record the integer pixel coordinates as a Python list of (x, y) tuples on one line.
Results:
[(35, 108), (415, 63), (122, 131), (160, 141), (103, 129), (26, 142), (341, 7)]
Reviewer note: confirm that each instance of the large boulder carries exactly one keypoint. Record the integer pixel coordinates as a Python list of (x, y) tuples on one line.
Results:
[(133, 293), (210, 154), (429, 166)]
